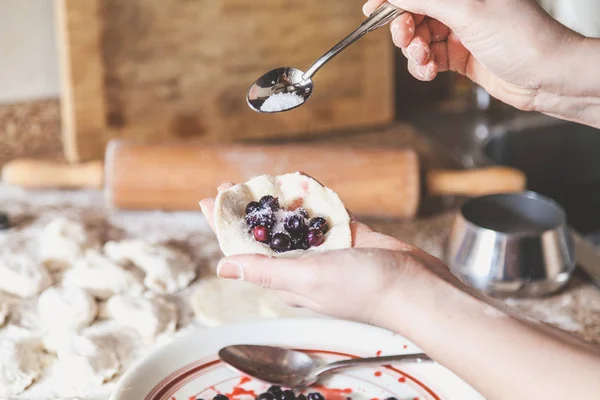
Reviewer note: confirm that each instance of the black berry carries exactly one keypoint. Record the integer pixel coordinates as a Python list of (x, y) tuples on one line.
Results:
[(4, 221), (262, 218), (287, 395), (300, 243), (275, 391), (261, 234), (391, 398), (280, 242), (315, 396), (301, 397), (319, 223), (315, 238), (252, 207), (220, 397), (265, 396), (294, 223), (301, 211), (269, 202)]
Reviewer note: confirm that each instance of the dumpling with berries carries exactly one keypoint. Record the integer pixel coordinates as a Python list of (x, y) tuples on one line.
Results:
[(281, 216)]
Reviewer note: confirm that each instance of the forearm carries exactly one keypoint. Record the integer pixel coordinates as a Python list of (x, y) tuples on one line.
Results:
[(575, 96), (500, 356)]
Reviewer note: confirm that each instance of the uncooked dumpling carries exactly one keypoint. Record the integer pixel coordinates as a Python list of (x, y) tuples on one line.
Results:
[(293, 191)]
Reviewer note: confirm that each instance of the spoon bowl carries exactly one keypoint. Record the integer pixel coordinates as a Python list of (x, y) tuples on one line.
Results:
[(281, 81), (295, 369), (288, 88)]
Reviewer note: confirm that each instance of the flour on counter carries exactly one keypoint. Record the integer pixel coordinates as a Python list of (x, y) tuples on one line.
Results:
[(66, 309), (21, 272), (4, 312), (101, 277), (150, 316), (281, 102), (167, 270)]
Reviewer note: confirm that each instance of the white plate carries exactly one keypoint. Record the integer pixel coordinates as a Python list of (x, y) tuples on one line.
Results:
[(189, 366)]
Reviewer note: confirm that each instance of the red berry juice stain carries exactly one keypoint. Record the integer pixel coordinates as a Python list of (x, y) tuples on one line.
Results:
[(240, 391), (375, 398), (405, 346), (378, 353), (377, 373), (192, 398), (402, 379), (333, 394)]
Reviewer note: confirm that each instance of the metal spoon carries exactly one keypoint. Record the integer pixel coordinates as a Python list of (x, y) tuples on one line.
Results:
[(292, 80), (293, 369)]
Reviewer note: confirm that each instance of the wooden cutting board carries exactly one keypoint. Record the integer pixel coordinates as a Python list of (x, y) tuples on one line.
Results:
[(155, 70)]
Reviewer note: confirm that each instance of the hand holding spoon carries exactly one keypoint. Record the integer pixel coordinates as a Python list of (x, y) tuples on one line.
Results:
[(294, 369), (292, 86)]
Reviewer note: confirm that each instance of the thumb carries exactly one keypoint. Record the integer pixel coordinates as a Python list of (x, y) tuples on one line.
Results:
[(287, 274)]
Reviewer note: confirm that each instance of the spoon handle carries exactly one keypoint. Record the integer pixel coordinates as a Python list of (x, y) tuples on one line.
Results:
[(384, 14), (354, 362)]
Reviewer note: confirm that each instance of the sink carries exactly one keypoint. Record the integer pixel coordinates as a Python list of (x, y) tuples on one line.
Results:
[(561, 159)]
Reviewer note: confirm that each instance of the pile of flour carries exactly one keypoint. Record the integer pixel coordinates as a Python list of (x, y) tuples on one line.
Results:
[(86, 291)]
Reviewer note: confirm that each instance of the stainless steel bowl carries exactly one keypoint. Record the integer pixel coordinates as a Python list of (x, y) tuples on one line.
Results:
[(511, 245)]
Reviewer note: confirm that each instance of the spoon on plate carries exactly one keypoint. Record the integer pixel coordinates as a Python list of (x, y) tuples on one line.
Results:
[(284, 89), (294, 369)]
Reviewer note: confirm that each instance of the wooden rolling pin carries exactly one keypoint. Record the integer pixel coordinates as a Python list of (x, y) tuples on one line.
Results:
[(370, 181)]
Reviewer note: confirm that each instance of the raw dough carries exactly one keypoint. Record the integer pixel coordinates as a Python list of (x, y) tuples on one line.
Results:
[(219, 301), (62, 242), (167, 270), (4, 312), (101, 277), (86, 363), (19, 365), (272, 306), (230, 209), (66, 308), (21, 273), (150, 316)]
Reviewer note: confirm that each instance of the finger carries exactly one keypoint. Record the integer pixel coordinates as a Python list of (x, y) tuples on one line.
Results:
[(403, 30), (438, 31), (418, 51), (207, 207), (371, 6), (296, 300), (224, 186), (425, 72), (288, 274), (439, 52)]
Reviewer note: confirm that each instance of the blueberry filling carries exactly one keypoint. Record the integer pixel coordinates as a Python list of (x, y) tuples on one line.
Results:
[(277, 393), (284, 230)]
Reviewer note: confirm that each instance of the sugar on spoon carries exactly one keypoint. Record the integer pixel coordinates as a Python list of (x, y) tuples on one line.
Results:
[(295, 369), (286, 88)]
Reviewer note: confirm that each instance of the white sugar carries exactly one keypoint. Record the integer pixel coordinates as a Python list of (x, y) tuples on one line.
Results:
[(281, 102)]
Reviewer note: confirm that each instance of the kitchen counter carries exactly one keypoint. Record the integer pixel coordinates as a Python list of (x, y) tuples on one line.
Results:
[(576, 309)]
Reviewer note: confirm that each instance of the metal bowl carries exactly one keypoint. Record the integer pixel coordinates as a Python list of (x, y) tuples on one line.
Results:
[(511, 245)]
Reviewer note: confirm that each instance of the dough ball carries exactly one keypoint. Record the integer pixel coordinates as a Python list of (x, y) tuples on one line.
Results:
[(167, 270), (218, 301), (292, 190), (4, 312), (20, 365), (150, 316), (101, 277), (20, 271), (66, 308), (62, 242)]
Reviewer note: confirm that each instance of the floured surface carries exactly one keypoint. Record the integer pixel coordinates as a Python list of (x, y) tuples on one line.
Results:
[(576, 310), (292, 191)]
